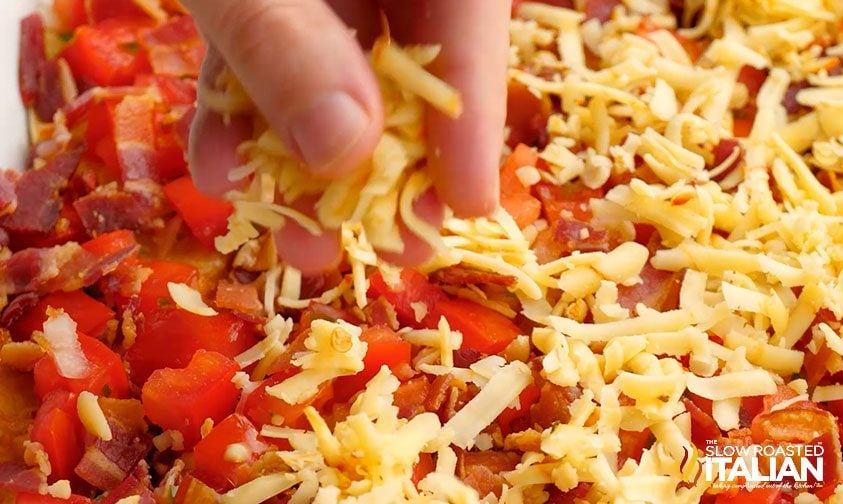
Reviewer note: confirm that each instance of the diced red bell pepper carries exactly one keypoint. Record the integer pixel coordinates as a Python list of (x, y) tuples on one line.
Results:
[(70, 13), (111, 245), (206, 217), (106, 54), (110, 9), (90, 315), (181, 399), (414, 288), (482, 328), (528, 397), (58, 429), (762, 495), (106, 376), (209, 453), (262, 408), (515, 196), (703, 427), (385, 348), (34, 498), (183, 333), (154, 293)]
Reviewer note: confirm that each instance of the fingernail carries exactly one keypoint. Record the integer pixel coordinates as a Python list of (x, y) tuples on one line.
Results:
[(326, 130)]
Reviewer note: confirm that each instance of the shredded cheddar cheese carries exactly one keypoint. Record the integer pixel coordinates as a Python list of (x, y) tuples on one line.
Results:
[(722, 246)]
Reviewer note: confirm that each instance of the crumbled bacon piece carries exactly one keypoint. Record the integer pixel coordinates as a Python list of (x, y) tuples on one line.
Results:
[(461, 275), (139, 205), (38, 204)]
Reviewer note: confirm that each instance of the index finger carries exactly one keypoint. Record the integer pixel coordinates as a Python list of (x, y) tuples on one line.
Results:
[(465, 152)]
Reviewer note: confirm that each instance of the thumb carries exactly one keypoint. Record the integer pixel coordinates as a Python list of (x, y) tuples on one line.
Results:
[(306, 73)]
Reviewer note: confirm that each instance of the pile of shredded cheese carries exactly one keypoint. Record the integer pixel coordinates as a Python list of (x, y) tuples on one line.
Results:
[(376, 194), (760, 248)]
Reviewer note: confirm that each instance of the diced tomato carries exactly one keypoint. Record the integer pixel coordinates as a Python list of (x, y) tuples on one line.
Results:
[(34, 498), (134, 138), (753, 78), (703, 427), (107, 9), (482, 328), (181, 399), (414, 289), (107, 54), (423, 467), (58, 429), (385, 348), (515, 196), (762, 495), (526, 117), (209, 453), (106, 376), (528, 397), (89, 314), (262, 408), (183, 333), (206, 217)]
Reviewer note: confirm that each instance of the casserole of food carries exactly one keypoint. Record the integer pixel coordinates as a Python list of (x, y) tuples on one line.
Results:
[(652, 315)]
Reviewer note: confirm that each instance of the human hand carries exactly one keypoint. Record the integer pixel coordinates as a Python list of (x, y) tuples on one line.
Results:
[(300, 62)]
